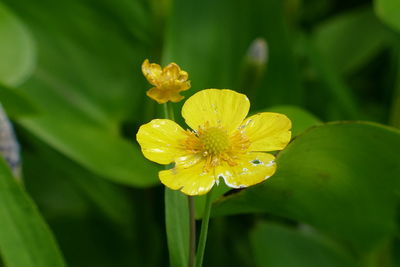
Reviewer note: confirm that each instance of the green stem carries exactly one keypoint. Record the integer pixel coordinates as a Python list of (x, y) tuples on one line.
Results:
[(203, 232), (192, 225), (168, 111)]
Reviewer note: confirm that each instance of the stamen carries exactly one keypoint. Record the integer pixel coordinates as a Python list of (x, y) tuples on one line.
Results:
[(215, 140), (215, 145)]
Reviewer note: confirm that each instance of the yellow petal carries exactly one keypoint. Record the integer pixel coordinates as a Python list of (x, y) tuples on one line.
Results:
[(216, 107), (152, 72), (267, 131), (184, 86), (159, 95), (175, 97), (188, 160), (171, 72), (191, 181), (183, 76), (252, 168), (160, 140)]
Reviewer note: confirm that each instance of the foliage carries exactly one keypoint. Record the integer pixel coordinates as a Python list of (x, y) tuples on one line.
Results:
[(70, 80)]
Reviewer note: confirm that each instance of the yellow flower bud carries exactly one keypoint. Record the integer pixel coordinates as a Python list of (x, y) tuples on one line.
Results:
[(168, 82)]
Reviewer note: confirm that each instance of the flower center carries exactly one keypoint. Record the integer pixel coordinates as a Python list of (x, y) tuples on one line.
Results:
[(215, 146), (215, 140)]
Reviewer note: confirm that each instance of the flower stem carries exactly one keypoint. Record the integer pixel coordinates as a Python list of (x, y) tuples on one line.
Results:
[(203, 232), (192, 225), (168, 111)]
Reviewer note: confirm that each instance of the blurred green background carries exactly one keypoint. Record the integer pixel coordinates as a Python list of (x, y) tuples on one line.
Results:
[(70, 81)]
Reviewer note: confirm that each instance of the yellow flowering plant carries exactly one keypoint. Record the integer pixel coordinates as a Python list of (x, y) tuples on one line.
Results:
[(223, 143)]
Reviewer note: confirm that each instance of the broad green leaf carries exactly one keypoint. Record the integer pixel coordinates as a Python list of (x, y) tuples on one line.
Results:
[(342, 101), (210, 39), (16, 103), (301, 118), (275, 245), (177, 226), (102, 152), (25, 239), (389, 12), (63, 174), (88, 84), (17, 49), (348, 41), (341, 178)]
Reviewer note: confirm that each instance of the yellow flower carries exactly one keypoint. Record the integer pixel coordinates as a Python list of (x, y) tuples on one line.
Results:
[(223, 144), (168, 82)]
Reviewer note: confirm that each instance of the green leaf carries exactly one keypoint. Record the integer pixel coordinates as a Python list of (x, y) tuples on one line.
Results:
[(17, 50), (87, 92), (275, 245), (348, 41), (177, 226), (61, 174), (341, 178), (340, 96), (25, 239), (105, 154), (223, 33), (389, 12), (301, 118), (16, 103)]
